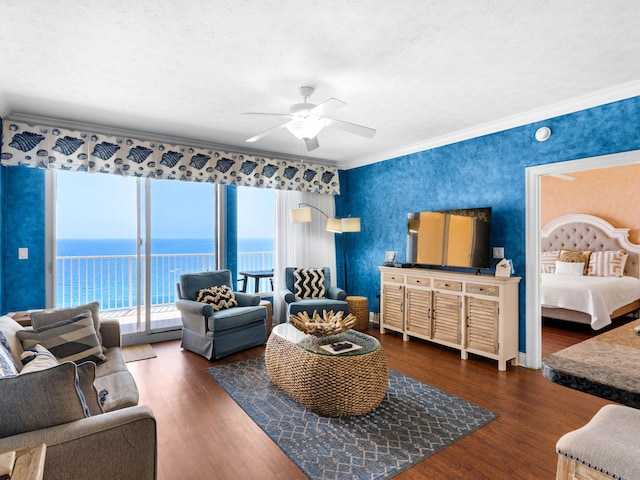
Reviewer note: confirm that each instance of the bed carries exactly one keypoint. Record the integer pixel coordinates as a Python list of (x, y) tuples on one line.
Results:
[(597, 295)]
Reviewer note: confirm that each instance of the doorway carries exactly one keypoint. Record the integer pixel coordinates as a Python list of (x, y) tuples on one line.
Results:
[(533, 175)]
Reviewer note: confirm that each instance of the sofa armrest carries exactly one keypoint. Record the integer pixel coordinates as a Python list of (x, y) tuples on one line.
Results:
[(120, 444), (336, 293), (110, 332), (287, 295), (247, 299)]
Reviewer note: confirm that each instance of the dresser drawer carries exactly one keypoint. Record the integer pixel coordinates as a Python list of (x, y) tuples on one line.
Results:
[(421, 281), (481, 289), (392, 277), (448, 285)]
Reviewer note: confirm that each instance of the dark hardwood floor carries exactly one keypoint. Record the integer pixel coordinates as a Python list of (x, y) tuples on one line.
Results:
[(203, 434)]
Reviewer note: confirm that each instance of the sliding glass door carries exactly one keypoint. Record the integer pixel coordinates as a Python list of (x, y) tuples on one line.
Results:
[(124, 241)]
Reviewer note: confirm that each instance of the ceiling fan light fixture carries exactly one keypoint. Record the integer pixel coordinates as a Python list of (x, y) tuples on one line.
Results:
[(305, 128)]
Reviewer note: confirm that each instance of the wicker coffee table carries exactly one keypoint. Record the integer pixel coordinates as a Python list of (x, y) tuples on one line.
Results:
[(333, 385)]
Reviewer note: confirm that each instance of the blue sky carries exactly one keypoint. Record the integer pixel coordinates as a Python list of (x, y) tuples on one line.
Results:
[(103, 206)]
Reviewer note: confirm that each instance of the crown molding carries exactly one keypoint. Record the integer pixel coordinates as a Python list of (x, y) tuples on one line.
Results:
[(602, 97)]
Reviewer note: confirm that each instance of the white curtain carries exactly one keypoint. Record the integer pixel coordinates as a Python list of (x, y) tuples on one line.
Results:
[(301, 244)]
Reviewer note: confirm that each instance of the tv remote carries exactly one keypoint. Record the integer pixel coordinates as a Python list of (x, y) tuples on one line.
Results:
[(337, 347)]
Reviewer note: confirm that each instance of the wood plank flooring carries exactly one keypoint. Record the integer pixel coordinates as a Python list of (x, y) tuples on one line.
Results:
[(203, 434)]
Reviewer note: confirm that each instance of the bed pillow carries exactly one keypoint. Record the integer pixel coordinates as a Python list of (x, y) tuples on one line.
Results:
[(609, 263), (548, 261), (308, 283), (569, 268), (73, 340), (576, 256)]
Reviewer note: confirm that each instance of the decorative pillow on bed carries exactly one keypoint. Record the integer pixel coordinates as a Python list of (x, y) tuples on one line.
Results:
[(218, 297), (609, 263), (548, 261), (308, 283), (576, 256), (569, 268)]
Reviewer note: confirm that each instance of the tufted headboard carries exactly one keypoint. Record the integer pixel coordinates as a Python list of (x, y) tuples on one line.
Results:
[(586, 232)]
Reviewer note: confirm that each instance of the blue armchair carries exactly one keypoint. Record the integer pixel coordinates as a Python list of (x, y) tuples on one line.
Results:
[(215, 334), (333, 299)]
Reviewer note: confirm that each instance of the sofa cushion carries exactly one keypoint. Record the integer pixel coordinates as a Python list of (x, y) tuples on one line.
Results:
[(7, 363), (40, 399), (86, 382), (37, 358), (9, 328), (218, 297), (43, 318), (308, 283), (72, 340)]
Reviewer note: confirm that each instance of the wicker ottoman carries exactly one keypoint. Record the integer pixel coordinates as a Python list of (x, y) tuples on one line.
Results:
[(359, 308), (341, 385)]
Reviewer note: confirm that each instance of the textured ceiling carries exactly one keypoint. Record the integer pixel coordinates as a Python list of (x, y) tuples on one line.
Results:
[(421, 73)]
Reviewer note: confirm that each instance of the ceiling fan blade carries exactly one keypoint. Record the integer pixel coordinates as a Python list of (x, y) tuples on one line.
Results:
[(311, 143), (267, 132), (327, 106), (350, 127), (267, 114)]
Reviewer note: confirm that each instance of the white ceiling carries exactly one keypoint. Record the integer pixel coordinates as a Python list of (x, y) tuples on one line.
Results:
[(422, 73)]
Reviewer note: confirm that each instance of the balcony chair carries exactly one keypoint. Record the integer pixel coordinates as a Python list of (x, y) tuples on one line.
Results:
[(333, 298), (217, 333)]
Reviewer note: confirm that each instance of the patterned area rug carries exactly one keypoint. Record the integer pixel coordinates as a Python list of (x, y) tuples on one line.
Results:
[(605, 365), (413, 422)]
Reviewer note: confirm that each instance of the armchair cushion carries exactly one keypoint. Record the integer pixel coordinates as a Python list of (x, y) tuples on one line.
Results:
[(72, 340), (192, 283), (308, 283), (235, 317), (218, 297)]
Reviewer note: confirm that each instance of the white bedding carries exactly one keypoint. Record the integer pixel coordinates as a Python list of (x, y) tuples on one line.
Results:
[(597, 296)]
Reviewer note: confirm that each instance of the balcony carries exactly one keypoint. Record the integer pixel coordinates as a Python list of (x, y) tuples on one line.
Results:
[(112, 281)]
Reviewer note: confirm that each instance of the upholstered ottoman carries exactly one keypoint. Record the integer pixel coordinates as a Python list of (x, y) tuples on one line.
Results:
[(606, 447)]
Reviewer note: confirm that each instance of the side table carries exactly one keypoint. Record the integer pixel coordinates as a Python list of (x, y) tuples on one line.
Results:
[(269, 319), (29, 463), (359, 308)]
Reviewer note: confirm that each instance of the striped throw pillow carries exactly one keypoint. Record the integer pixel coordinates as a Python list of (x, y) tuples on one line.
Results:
[(7, 365), (73, 340), (308, 283), (218, 297), (548, 261), (609, 263), (576, 256)]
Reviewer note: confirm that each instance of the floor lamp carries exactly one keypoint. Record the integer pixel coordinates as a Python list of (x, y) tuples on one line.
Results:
[(349, 224)]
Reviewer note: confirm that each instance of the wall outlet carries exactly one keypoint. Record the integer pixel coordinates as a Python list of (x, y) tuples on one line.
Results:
[(498, 252), (23, 253)]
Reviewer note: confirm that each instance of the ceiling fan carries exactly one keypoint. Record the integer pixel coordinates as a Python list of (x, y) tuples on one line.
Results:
[(306, 120)]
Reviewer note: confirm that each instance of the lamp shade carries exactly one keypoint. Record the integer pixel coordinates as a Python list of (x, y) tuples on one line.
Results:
[(300, 215), (305, 128), (334, 225), (350, 224)]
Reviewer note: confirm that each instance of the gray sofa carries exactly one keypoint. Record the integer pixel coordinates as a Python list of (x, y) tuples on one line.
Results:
[(87, 415)]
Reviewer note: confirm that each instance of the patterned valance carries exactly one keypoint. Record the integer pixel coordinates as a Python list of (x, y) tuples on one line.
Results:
[(41, 146)]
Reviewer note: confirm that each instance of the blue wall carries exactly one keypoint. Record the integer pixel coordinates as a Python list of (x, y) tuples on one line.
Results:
[(484, 171)]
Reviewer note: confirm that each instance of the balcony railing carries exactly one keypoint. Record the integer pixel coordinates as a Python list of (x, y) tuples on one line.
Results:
[(112, 279)]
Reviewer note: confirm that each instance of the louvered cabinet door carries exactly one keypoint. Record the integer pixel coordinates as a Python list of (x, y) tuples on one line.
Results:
[(393, 306), (482, 325), (419, 311), (446, 317)]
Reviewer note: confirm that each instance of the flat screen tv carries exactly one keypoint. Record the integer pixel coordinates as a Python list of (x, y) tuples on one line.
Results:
[(450, 238)]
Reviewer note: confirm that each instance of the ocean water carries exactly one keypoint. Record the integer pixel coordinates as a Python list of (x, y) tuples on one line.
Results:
[(107, 270)]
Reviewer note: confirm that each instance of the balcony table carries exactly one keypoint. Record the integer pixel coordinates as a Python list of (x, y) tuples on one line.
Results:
[(256, 275)]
